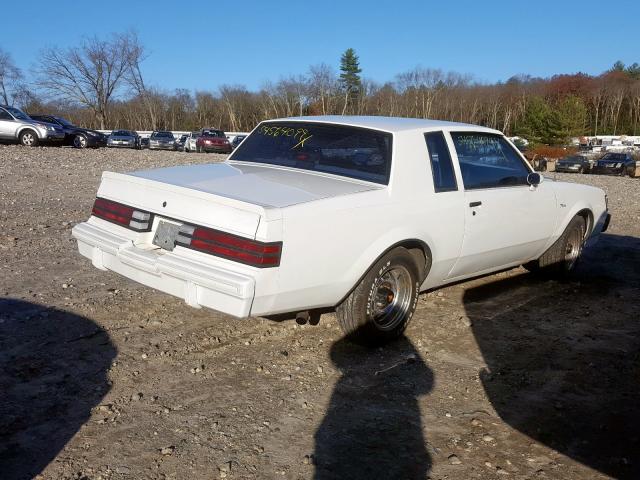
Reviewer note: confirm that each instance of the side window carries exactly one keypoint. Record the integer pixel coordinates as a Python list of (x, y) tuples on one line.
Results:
[(488, 161), (4, 115), (444, 178)]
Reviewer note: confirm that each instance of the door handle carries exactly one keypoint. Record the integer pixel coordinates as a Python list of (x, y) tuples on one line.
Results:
[(475, 204)]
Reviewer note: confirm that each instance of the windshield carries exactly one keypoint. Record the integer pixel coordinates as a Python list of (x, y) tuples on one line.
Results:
[(213, 133), (337, 149), (162, 135), (17, 113), (572, 159), (122, 133), (64, 122)]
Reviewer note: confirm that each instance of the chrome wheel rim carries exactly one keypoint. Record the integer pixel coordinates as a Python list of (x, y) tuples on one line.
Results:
[(573, 247), (79, 142), (27, 139), (390, 297)]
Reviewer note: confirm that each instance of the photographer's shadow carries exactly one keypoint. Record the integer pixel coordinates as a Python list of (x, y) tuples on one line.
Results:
[(373, 427), (53, 371)]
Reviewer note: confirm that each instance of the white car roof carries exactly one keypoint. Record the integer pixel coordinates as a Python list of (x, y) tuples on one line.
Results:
[(389, 124)]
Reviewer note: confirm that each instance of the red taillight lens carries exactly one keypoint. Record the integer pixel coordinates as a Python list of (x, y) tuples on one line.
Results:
[(123, 215), (231, 247)]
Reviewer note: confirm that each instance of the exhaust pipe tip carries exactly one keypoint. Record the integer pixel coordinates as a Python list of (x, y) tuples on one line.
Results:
[(302, 318)]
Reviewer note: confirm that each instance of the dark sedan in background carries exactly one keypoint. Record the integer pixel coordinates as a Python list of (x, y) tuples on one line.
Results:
[(573, 164), (616, 164), (162, 141), (124, 139), (212, 140), (75, 136)]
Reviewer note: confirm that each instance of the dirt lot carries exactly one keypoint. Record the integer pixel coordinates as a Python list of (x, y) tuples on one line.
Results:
[(509, 376)]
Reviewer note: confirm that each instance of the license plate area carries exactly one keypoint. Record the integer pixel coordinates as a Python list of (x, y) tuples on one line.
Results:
[(166, 235)]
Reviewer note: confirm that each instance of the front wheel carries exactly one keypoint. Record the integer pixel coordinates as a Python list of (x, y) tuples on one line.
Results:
[(80, 141), (563, 256), (379, 309), (28, 138)]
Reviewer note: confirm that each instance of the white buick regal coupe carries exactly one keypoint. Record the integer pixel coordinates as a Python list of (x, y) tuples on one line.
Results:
[(356, 214)]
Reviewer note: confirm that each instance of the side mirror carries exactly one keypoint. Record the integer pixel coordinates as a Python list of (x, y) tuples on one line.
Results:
[(534, 179)]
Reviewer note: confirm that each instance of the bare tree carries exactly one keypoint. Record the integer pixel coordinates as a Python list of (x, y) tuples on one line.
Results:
[(135, 56), (89, 75), (10, 78)]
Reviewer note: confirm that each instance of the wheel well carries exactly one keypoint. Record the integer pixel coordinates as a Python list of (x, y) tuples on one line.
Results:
[(421, 254), (588, 220), (418, 249), (24, 129)]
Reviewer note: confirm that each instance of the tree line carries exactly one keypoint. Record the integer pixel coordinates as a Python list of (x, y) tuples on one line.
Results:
[(100, 84)]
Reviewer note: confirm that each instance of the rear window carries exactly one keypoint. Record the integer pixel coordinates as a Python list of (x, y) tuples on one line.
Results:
[(352, 152)]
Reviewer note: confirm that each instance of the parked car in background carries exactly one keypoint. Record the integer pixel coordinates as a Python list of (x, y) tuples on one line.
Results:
[(615, 164), (181, 142), (256, 235), (124, 139), (162, 140), (573, 164), (190, 142), (212, 140), (77, 137), (236, 141), (15, 125)]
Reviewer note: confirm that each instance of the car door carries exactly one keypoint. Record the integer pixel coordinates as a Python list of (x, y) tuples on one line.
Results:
[(7, 124), (507, 220)]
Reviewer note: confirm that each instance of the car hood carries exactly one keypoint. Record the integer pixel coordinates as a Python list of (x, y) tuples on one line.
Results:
[(261, 185)]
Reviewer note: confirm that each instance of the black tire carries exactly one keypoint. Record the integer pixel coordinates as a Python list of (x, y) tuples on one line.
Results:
[(80, 141), (563, 256), (28, 138), (380, 307), (581, 170)]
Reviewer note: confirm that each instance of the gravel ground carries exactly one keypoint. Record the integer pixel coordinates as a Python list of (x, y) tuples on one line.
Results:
[(509, 376)]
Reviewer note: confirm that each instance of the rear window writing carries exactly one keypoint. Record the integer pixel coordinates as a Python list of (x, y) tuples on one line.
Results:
[(353, 152)]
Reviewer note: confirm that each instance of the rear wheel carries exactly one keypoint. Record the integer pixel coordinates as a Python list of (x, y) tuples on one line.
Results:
[(28, 138), (563, 256), (380, 307)]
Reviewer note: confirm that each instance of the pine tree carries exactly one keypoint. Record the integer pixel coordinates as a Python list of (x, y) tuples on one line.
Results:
[(349, 78)]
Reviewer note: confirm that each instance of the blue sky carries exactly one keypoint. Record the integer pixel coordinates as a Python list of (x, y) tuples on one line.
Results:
[(202, 45)]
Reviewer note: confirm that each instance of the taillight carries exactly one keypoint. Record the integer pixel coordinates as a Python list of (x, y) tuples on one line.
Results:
[(231, 247), (123, 215)]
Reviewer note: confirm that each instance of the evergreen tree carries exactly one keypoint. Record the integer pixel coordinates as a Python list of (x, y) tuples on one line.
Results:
[(350, 81)]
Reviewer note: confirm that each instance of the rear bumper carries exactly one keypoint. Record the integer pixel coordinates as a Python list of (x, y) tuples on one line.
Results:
[(200, 285)]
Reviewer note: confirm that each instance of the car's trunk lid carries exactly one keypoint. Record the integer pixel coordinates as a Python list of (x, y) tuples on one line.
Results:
[(264, 186)]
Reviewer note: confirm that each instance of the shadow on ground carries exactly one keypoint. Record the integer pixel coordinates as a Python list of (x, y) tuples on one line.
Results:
[(564, 358), (53, 371), (372, 428)]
